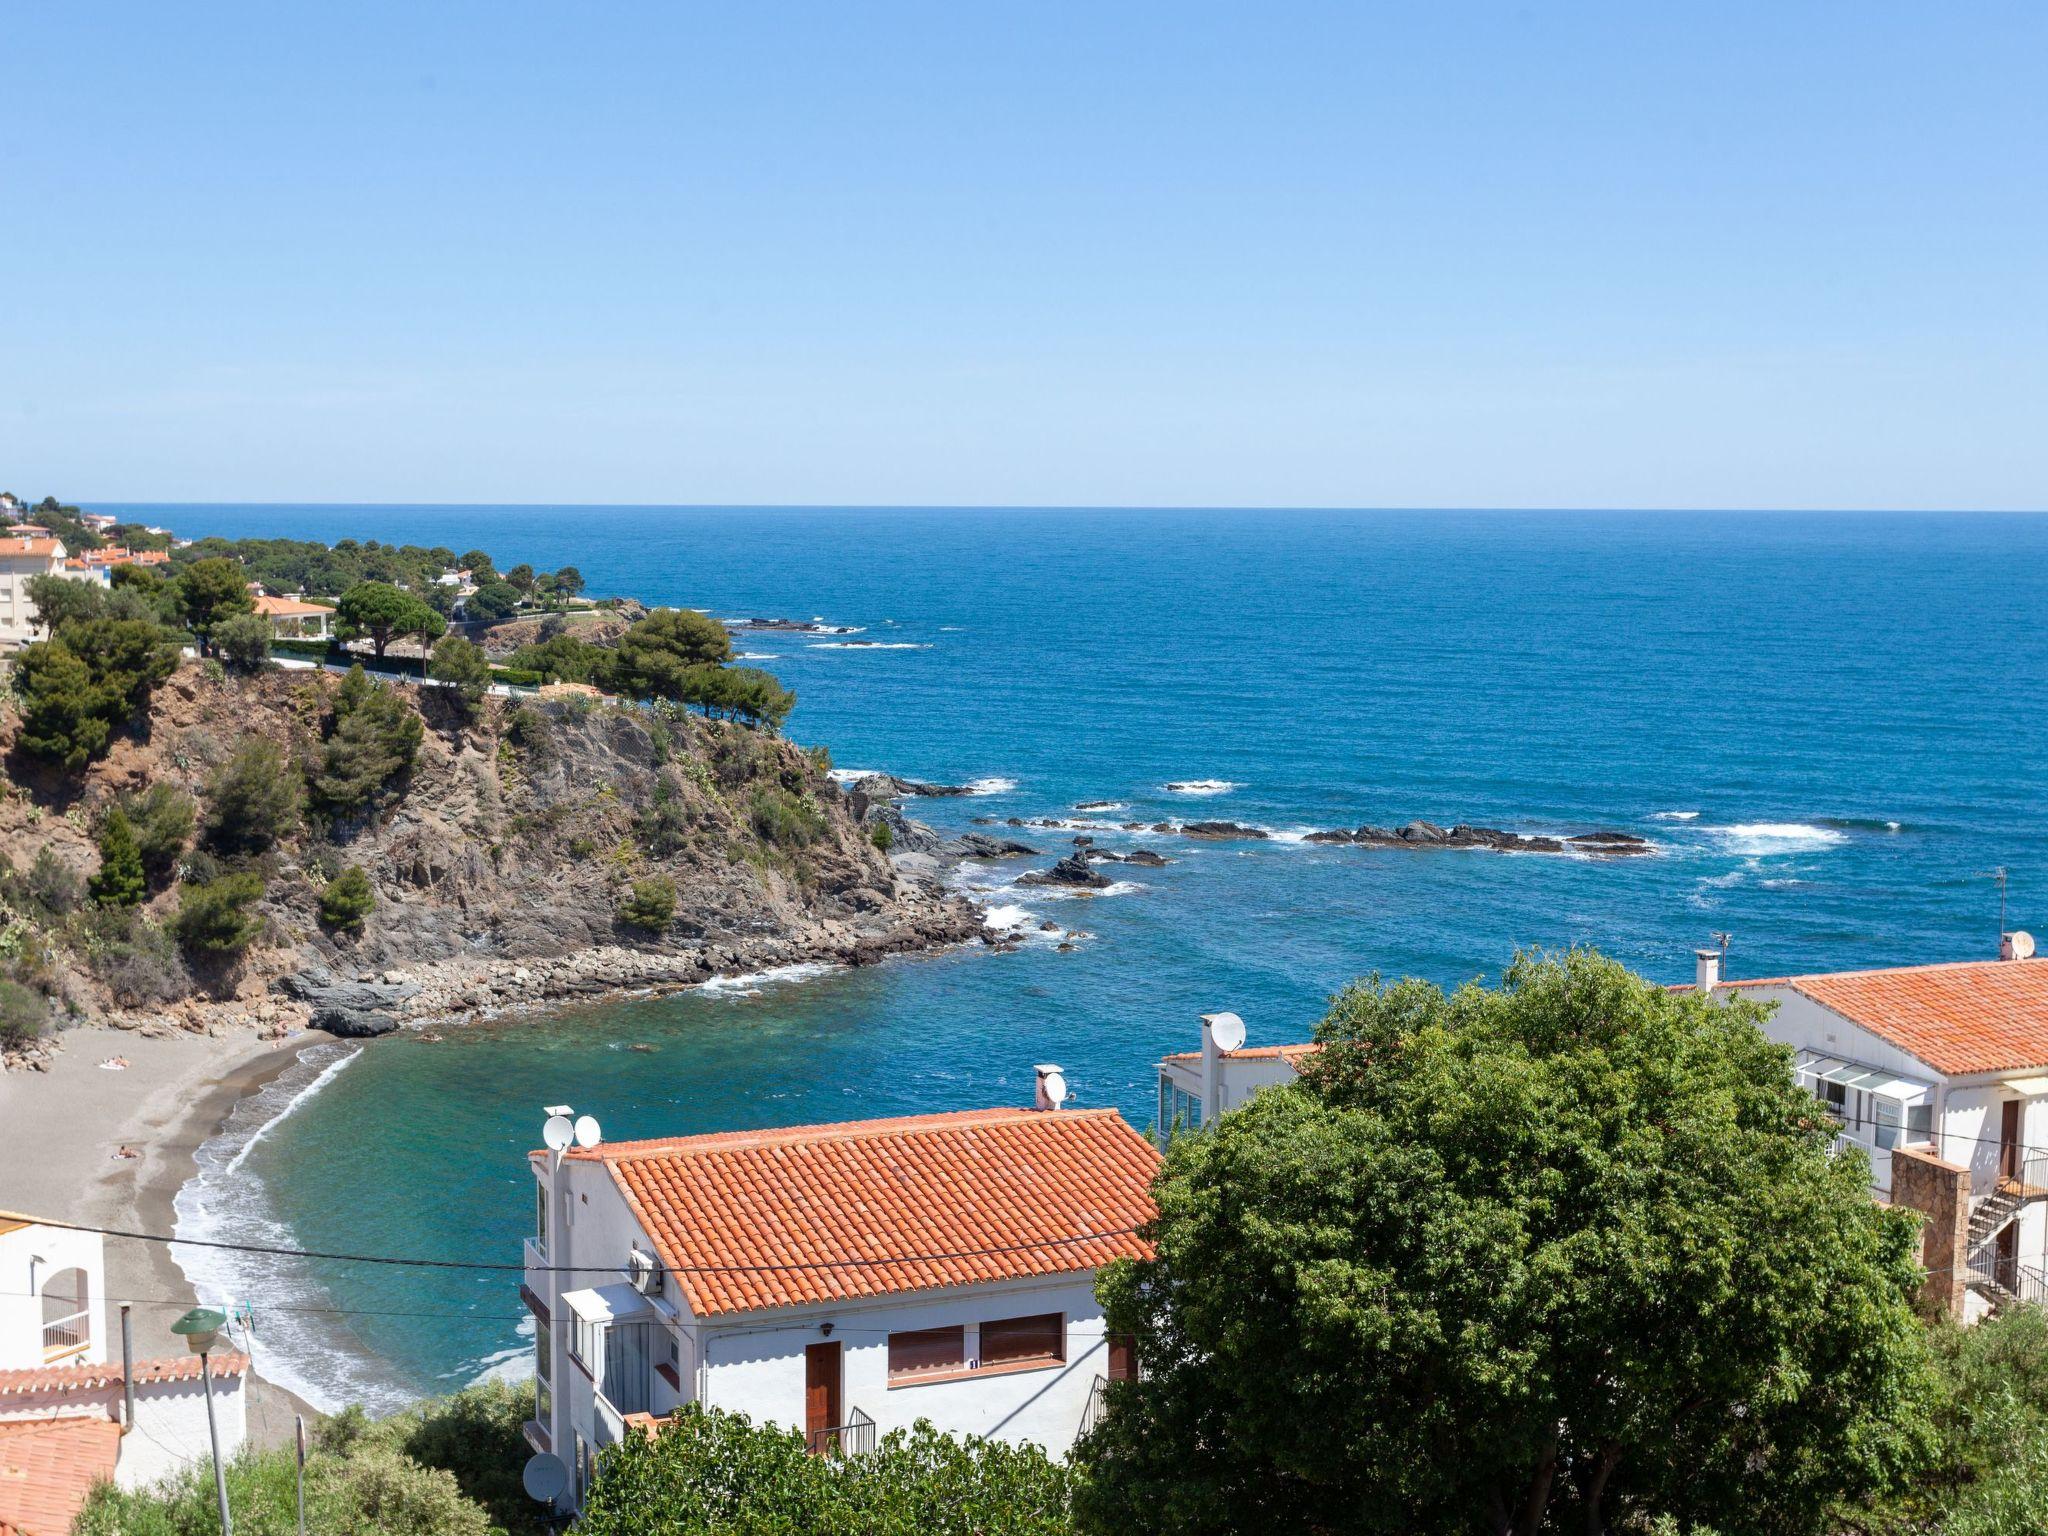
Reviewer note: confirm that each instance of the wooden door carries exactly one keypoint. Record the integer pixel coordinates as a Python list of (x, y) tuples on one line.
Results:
[(1123, 1357), (821, 1393), (2009, 1256), (2009, 1141)]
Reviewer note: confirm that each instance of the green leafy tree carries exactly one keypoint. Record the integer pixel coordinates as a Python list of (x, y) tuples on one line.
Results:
[(242, 640), (521, 576), (348, 900), (1571, 1254), (562, 659), (650, 904), (746, 694), (479, 566), (253, 801), (710, 1473), (656, 658), (209, 591), (23, 1012), (381, 612), (569, 581), (492, 600), (76, 690), (466, 671), (217, 919), (163, 818), (372, 737), (61, 599), (119, 881)]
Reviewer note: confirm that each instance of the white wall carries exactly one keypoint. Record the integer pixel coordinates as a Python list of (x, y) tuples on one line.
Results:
[(30, 1258), (755, 1365), (170, 1421)]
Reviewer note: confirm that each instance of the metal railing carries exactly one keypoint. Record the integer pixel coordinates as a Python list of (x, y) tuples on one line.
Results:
[(856, 1437), (66, 1335), (1098, 1404), (2024, 1174), (2006, 1279)]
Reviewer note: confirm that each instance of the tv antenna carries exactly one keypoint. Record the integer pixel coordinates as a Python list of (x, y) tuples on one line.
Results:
[(1998, 874), (1722, 940)]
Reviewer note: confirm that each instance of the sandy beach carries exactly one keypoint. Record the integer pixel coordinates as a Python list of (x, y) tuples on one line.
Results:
[(65, 1133)]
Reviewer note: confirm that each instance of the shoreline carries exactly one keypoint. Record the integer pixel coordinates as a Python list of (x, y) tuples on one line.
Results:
[(75, 1119)]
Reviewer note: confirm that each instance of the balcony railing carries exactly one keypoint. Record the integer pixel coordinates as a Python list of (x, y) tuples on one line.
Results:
[(2023, 1172), (856, 1437), (2004, 1279), (1098, 1404), (66, 1336)]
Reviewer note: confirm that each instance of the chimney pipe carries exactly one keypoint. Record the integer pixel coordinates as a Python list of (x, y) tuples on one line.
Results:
[(1052, 1086), (1706, 973), (127, 1371), (1212, 1072), (2017, 945)]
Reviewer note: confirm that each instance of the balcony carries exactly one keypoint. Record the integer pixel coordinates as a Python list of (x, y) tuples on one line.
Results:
[(1098, 1404), (66, 1336), (856, 1437)]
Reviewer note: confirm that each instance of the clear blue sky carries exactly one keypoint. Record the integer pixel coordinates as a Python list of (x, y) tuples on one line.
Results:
[(1636, 254)]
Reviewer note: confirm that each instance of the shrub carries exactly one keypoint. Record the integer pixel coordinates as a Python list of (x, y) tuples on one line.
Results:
[(118, 882), (372, 737), (243, 641), (530, 731), (347, 900), (253, 801), (22, 1013), (142, 969), (54, 885), (492, 600), (215, 919), (562, 658), (650, 904), (463, 668), (162, 817), (882, 836), (786, 820), (664, 826)]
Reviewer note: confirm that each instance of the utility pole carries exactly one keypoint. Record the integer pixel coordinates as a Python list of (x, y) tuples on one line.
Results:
[(199, 1328)]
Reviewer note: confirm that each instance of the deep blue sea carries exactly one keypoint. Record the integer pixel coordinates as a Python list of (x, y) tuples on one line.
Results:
[(1828, 724)]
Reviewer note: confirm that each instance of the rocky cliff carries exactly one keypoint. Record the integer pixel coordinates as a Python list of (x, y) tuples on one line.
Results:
[(498, 861)]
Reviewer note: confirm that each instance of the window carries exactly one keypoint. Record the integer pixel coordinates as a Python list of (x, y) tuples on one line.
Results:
[(926, 1352), (1016, 1340), (67, 1315), (543, 1389), (1887, 1124), (1836, 1097), (1920, 1123), (1178, 1109), (540, 1214)]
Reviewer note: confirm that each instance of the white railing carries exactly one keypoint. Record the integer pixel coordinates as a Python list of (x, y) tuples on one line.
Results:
[(1098, 1403), (67, 1336), (609, 1423), (856, 1437)]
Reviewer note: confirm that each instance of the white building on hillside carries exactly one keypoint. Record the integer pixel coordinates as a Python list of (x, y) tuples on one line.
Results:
[(23, 556), (1197, 1086), (1953, 1060), (844, 1280), (75, 1410)]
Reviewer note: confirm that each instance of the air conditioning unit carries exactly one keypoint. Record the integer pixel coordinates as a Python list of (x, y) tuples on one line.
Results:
[(643, 1274)]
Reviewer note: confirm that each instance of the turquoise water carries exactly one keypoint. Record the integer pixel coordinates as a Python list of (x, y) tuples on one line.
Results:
[(1827, 724)]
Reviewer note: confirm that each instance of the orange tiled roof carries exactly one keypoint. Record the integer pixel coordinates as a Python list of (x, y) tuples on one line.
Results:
[(19, 545), (877, 1207), (88, 1378), (1970, 1016), (1294, 1053), (48, 1466), (286, 607)]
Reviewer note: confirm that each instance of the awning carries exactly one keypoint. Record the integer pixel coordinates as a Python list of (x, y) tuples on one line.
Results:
[(1812, 1069), (603, 1304), (2027, 1087)]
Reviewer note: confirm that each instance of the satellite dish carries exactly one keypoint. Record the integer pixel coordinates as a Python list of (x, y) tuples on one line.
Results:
[(588, 1133), (558, 1133), (1055, 1085), (1226, 1029), (2022, 944), (544, 1478)]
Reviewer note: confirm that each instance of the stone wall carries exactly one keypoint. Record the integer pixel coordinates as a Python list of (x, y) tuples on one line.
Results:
[(1941, 1193)]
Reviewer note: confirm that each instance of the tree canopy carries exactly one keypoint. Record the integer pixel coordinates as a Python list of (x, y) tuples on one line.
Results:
[(372, 736), (78, 688), (381, 612), (209, 591), (1566, 1254), (656, 656)]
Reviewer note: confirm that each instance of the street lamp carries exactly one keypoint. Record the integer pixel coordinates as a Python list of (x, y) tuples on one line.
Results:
[(199, 1328)]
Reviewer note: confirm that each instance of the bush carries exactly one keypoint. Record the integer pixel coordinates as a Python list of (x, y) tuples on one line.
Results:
[(562, 658), (786, 820), (22, 1013), (243, 642), (215, 919), (462, 667), (54, 885), (529, 730), (162, 817), (347, 900), (119, 881), (882, 836), (142, 969), (651, 904), (253, 801), (372, 737), (710, 1473), (492, 600), (516, 677), (664, 827)]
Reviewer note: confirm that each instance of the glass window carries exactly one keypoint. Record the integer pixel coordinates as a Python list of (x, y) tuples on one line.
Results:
[(926, 1351), (1887, 1124), (543, 1391), (540, 1214), (1920, 1123), (1016, 1340)]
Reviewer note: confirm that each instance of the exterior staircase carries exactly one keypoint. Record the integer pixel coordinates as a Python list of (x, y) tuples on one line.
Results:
[(1989, 1215)]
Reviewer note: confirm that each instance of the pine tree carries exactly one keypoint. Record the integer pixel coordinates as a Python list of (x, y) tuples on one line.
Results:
[(119, 881)]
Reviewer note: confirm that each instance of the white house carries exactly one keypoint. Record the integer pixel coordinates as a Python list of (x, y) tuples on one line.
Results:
[(75, 1407), (21, 557), (1951, 1060), (844, 1280), (1197, 1086)]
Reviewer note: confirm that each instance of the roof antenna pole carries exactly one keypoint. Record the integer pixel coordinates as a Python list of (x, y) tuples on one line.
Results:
[(1998, 874), (1722, 940)]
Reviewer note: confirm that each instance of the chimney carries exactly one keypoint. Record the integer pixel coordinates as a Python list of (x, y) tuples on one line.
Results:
[(1052, 1086), (2017, 945), (1706, 970)]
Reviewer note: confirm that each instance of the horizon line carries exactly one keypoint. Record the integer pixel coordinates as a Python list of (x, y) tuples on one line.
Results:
[(85, 504)]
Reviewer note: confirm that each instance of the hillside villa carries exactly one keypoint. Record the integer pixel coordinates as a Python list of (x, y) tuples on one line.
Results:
[(843, 1280), (22, 556), (70, 1417)]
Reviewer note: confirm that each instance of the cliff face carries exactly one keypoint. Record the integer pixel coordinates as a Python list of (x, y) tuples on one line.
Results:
[(498, 861)]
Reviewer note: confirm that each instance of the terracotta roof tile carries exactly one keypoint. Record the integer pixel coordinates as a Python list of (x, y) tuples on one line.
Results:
[(1294, 1053), (89, 1378), (15, 544), (1972, 1016), (48, 1466), (820, 1213)]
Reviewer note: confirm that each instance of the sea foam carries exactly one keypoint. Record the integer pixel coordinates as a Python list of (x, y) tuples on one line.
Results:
[(1200, 787), (1767, 837)]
